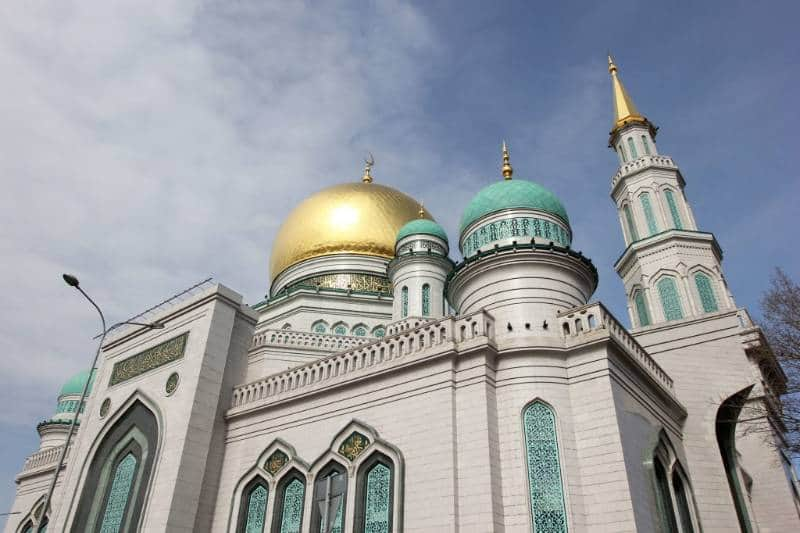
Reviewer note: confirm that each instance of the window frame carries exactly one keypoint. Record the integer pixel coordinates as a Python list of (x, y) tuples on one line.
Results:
[(331, 466), (359, 514), (244, 503), (280, 495)]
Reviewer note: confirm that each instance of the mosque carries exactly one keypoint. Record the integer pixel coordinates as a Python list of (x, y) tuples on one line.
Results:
[(383, 386)]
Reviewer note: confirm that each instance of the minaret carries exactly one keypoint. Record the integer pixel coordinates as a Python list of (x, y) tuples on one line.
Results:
[(671, 269)]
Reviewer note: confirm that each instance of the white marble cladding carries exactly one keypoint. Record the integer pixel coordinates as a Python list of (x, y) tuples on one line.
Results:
[(641, 163), (301, 339), (355, 362), (576, 325), (406, 324), (43, 460)]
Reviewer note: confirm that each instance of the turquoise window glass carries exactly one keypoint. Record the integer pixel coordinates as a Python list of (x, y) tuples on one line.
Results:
[(118, 495), (646, 145), (404, 301), (544, 470), (706, 292), (43, 527), (28, 528), (621, 149), (292, 512), (673, 209), (319, 328), (426, 300), (379, 332), (641, 308), (256, 509), (632, 148), (340, 330), (360, 331), (377, 508), (647, 207), (634, 235), (670, 301), (337, 521)]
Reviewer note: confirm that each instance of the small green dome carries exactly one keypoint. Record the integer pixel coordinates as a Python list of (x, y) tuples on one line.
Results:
[(422, 226), (510, 194), (74, 386)]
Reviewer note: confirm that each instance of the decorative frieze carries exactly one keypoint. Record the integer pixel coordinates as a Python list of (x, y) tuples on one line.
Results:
[(158, 355), (353, 445), (486, 235)]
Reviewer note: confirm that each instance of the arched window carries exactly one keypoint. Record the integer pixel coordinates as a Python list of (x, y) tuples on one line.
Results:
[(706, 292), (727, 417), (28, 527), (664, 497), (379, 332), (670, 300), (646, 145), (641, 308), (621, 150), (634, 235), (330, 493), (632, 148), (647, 207), (289, 499), (253, 508), (319, 327), (682, 498), (426, 300), (673, 209), (119, 474), (339, 329), (360, 330), (544, 469), (375, 496), (404, 302)]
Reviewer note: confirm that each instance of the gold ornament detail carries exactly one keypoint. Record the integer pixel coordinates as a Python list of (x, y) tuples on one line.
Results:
[(507, 170), (276, 461), (356, 282), (353, 445), (154, 357)]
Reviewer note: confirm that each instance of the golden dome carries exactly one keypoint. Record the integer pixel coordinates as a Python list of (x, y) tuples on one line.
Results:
[(359, 218)]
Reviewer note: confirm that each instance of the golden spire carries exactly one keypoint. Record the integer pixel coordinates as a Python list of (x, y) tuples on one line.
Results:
[(625, 111), (421, 211), (507, 170), (369, 163)]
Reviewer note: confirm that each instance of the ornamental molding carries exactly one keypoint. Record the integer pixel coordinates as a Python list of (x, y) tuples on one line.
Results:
[(152, 358)]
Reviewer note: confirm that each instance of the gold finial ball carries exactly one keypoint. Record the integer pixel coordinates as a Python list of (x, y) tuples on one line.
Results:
[(359, 218), (508, 171)]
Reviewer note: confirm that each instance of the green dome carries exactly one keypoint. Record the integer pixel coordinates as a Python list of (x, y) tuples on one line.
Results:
[(74, 386), (422, 226), (510, 194)]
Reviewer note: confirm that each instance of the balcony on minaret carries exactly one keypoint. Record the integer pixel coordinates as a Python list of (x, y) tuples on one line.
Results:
[(642, 163)]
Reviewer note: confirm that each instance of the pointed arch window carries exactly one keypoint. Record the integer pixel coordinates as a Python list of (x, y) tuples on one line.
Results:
[(319, 327), (646, 145), (647, 207), (670, 300), (404, 301), (706, 292), (682, 500), (360, 331), (632, 233), (621, 149), (289, 499), (673, 209), (426, 300), (632, 148), (545, 486), (641, 308), (340, 329), (253, 508), (330, 493), (119, 494), (664, 497), (375, 497)]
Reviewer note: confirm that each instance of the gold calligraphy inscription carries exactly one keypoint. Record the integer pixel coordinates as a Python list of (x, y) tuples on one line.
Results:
[(154, 357), (356, 282), (353, 445), (276, 461)]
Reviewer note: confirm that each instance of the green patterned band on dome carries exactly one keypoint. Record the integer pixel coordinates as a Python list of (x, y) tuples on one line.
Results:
[(422, 226), (512, 194)]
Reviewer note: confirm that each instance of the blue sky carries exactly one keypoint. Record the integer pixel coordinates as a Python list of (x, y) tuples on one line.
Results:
[(145, 148)]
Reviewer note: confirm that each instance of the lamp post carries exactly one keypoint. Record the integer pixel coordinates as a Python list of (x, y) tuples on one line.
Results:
[(72, 281)]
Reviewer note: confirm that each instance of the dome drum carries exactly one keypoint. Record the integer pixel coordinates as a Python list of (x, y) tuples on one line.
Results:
[(337, 265), (509, 225)]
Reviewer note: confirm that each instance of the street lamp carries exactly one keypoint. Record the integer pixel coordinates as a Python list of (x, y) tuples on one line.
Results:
[(72, 281)]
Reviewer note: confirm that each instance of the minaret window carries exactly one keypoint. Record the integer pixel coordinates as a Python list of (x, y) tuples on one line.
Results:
[(706, 292), (404, 302), (375, 498), (632, 148), (641, 308), (546, 489), (646, 145), (330, 491), (426, 300), (664, 497), (673, 209), (670, 301), (290, 496), (253, 513), (632, 233), (649, 216), (621, 150)]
